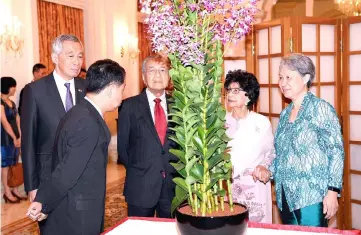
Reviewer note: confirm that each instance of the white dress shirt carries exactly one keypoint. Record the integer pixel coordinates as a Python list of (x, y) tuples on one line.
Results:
[(60, 83), (151, 102), (95, 106)]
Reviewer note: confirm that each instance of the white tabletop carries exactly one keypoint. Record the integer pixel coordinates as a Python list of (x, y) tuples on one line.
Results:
[(144, 227)]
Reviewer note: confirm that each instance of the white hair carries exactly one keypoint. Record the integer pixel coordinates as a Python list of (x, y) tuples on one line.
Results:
[(57, 45)]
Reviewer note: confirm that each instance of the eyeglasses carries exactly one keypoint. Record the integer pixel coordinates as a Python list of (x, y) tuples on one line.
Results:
[(162, 71), (234, 91)]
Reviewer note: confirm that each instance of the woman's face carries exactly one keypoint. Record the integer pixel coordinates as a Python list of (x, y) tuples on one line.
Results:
[(236, 97), (291, 83), (12, 91)]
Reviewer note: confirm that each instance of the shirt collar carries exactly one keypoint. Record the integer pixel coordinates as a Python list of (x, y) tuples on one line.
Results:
[(60, 80), (151, 96), (95, 106)]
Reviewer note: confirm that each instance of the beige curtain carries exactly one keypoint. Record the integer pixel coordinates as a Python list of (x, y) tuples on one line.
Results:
[(53, 20)]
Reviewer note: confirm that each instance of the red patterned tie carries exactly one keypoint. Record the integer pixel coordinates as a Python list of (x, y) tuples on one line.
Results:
[(160, 120)]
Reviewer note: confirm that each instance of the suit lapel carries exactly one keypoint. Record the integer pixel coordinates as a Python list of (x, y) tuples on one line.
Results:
[(79, 90), (54, 95), (147, 115)]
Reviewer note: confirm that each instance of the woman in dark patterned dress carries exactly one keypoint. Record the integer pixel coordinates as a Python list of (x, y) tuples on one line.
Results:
[(10, 137)]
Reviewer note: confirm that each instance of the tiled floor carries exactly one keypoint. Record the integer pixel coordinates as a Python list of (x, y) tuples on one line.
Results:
[(11, 213)]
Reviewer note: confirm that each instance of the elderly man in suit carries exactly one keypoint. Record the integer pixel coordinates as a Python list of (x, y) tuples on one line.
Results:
[(74, 195), (143, 146), (45, 102)]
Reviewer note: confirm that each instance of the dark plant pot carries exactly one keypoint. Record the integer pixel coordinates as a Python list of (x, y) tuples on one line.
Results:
[(198, 225)]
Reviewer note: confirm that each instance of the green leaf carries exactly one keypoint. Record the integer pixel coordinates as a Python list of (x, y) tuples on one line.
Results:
[(180, 196), (210, 121), (178, 95), (190, 164), (211, 149), (211, 108), (172, 137), (201, 133), (198, 143), (197, 172), (181, 183), (221, 192), (180, 154), (180, 137), (178, 166), (190, 180), (214, 180)]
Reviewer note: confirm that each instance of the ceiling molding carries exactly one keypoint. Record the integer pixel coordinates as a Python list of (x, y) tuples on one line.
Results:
[(80, 4)]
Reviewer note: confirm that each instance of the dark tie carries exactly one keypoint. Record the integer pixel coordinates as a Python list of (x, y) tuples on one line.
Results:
[(159, 120), (68, 98)]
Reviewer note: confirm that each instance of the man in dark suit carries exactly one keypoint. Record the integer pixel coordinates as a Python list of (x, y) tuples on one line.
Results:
[(45, 102), (39, 71), (143, 146), (74, 196)]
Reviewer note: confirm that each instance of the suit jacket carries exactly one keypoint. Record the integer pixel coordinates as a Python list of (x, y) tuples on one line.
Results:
[(74, 196), (41, 112), (143, 155)]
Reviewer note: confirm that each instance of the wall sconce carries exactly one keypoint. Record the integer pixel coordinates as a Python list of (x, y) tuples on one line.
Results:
[(131, 48), (10, 36)]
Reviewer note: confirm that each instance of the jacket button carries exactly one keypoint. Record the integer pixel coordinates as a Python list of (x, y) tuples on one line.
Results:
[(163, 152)]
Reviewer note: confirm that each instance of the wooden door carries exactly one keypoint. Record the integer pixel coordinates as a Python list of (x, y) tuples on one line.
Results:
[(270, 47), (351, 114)]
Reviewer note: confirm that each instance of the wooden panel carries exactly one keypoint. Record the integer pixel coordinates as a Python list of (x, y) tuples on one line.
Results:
[(350, 70)]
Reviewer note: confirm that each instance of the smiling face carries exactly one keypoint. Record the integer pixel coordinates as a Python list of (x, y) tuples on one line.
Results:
[(236, 97), (291, 83), (69, 61)]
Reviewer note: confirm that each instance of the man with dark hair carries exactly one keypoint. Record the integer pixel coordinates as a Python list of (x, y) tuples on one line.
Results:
[(39, 71), (82, 73), (45, 102), (74, 196)]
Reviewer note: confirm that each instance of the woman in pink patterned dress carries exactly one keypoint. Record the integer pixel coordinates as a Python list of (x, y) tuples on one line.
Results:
[(251, 145)]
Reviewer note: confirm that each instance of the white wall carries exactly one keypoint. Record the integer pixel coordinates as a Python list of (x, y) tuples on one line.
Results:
[(107, 24), (21, 67)]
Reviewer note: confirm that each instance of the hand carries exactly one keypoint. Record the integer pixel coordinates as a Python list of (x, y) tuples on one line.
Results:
[(32, 195), (261, 173), (34, 211), (17, 143), (330, 204)]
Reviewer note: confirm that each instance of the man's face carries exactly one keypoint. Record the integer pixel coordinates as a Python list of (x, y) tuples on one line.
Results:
[(69, 60), (39, 74), (156, 77)]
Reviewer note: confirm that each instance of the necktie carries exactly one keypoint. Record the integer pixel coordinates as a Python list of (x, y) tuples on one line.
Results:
[(68, 98), (159, 120)]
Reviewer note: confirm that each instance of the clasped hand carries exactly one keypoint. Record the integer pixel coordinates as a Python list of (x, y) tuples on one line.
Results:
[(261, 173), (34, 212)]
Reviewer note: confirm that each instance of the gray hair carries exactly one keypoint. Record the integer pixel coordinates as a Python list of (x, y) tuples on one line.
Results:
[(157, 58), (57, 45), (300, 63)]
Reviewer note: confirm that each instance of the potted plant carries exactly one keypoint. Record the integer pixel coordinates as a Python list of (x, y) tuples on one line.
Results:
[(192, 33)]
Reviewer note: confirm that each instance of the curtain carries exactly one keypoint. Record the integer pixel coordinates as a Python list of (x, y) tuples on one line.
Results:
[(53, 20), (145, 49)]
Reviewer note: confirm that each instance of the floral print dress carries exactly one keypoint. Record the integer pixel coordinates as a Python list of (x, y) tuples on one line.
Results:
[(251, 145)]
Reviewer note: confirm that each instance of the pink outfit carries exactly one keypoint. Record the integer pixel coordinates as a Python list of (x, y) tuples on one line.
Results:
[(252, 145)]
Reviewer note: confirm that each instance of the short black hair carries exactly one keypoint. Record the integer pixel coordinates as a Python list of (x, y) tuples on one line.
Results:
[(103, 73), (6, 84), (83, 70), (247, 82), (37, 67)]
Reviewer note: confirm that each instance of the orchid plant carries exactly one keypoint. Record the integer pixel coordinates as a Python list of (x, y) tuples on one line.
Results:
[(192, 33)]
